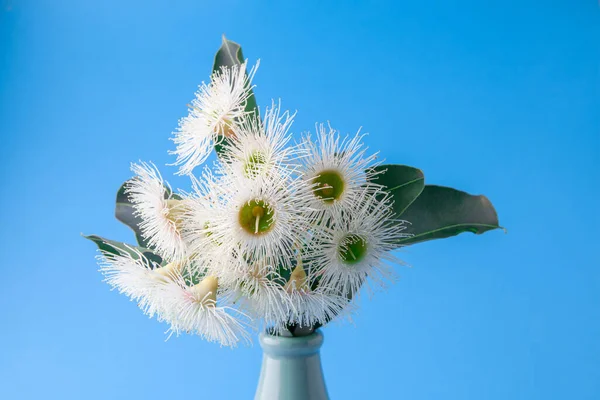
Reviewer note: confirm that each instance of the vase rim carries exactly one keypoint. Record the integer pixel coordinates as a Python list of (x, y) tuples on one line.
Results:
[(295, 346)]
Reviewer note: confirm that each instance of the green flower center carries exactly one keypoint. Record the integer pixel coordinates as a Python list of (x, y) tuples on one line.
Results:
[(254, 164), (256, 217), (352, 249), (329, 186)]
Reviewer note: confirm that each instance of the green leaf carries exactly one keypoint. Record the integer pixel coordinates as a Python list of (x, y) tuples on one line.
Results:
[(228, 55), (299, 331), (125, 212), (119, 248), (191, 276), (404, 183), (283, 274), (440, 212), (221, 145)]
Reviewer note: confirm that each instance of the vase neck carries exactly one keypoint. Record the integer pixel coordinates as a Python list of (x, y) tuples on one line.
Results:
[(279, 346), (291, 368)]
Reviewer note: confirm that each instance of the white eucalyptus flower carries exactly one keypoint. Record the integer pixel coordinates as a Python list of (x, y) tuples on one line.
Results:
[(261, 148), (312, 307), (133, 274), (261, 219), (198, 221), (159, 209), (195, 309), (261, 293), (213, 114), (167, 293), (358, 246), (338, 169)]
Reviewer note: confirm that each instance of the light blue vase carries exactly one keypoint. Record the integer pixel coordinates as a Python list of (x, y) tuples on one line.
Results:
[(291, 368)]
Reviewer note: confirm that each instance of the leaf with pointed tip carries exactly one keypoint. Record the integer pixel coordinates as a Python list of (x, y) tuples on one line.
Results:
[(125, 212), (440, 212), (118, 248), (228, 55), (402, 182)]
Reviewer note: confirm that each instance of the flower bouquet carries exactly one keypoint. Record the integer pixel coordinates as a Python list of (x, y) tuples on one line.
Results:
[(277, 234)]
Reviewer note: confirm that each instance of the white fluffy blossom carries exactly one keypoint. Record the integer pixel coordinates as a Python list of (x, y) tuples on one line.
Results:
[(260, 149), (159, 210), (134, 275), (165, 292), (198, 222), (195, 309), (261, 220), (214, 113), (339, 169), (312, 306), (261, 293), (359, 246)]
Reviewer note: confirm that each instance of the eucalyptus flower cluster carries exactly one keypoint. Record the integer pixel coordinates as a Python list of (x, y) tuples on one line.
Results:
[(275, 233)]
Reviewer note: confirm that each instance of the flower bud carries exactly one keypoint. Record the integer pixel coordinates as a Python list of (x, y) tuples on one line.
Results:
[(168, 272), (298, 280), (176, 210), (206, 291)]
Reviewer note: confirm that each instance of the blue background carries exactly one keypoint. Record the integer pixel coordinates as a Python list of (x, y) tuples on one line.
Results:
[(501, 99)]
